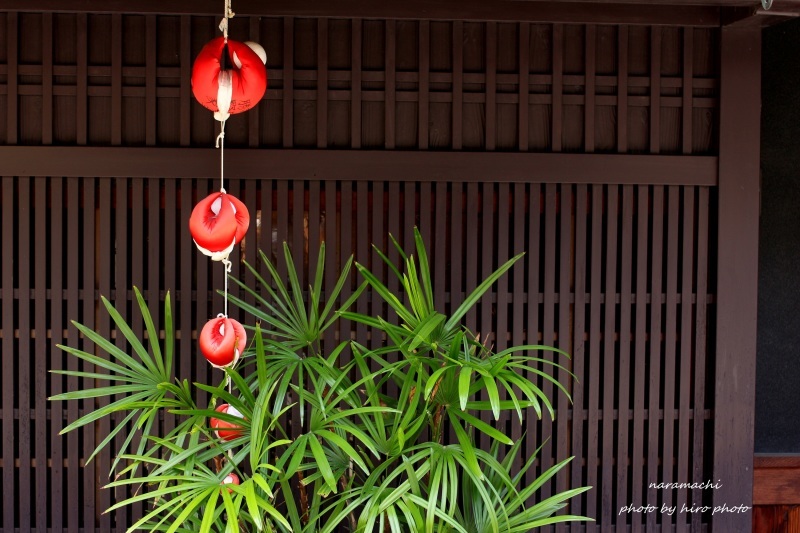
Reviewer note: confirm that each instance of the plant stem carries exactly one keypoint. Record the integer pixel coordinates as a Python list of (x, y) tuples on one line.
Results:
[(303, 498)]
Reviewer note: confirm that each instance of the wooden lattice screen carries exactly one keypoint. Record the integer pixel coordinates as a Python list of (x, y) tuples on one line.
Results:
[(619, 264)]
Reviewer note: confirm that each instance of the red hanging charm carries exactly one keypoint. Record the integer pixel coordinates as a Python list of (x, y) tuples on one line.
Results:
[(226, 430), (217, 223), (230, 479), (229, 91), (222, 341)]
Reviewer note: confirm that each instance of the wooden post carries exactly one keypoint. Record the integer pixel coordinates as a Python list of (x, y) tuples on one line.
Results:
[(737, 275)]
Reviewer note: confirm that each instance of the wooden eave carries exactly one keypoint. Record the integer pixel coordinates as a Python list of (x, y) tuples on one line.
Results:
[(701, 13)]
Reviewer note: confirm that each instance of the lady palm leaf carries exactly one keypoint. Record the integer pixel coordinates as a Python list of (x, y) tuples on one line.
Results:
[(298, 324), (475, 514), (363, 461), (146, 374)]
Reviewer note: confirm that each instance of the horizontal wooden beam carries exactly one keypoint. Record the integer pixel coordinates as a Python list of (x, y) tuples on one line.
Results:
[(776, 480), (359, 165), (756, 17), (592, 11)]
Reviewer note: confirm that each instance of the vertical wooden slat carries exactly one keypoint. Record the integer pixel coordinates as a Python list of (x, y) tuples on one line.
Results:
[(288, 82), (296, 240), (518, 298), (346, 248), (653, 403), (610, 380), (331, 253), (439, 248), (137, 242), (116, 80), (182, 301), (267, 227), (73, 298), (487, 255), (624, 372), (589, 97), (81, 102), (11, 84), (670, 330), (252, 118), (688, 77), (172, 236), (56, 337), (579, 346), (104, 277), (389, 90), (202, 311), (640, 340), (548, 324), (655, 90), (121, 284), (355, 85), (458, 84), (404, 194), (737, 273), (686, 360), (558, 81), (9, 216), (283, 225), (23, 377), (502, 233), (471, 252), (322, 83), (564, 340), (424, 82), (362, 250), (595, 271), (534, 253), (377, 265), (409, 215), (458, 261), (425, 214), (298, 236), (186, 90), (622, 90), (700, 329), (150, 81), (314, 226), (249, 249), (155, 234), (47, 78), (42, 364), (456, 244), (491, 85), (88, 319)]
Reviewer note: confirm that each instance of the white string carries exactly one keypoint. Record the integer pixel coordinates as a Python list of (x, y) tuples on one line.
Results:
[(228, 265), (227, 13), (221, 145), (223, 26)]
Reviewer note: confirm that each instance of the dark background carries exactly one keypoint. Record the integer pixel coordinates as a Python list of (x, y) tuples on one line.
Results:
[(778, 365)]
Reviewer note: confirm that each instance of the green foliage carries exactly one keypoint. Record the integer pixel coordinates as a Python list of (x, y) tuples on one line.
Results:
[(333, 438)]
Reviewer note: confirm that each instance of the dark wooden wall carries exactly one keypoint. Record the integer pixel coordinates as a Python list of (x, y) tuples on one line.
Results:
[(621, 246), (123, 80)]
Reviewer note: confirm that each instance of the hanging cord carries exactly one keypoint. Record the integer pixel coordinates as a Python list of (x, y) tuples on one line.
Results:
[(221, 145), (228, 266), (226, 14), (225, 262)]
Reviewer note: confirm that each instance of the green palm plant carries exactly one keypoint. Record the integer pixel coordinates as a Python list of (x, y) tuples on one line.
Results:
[(385, 441)]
